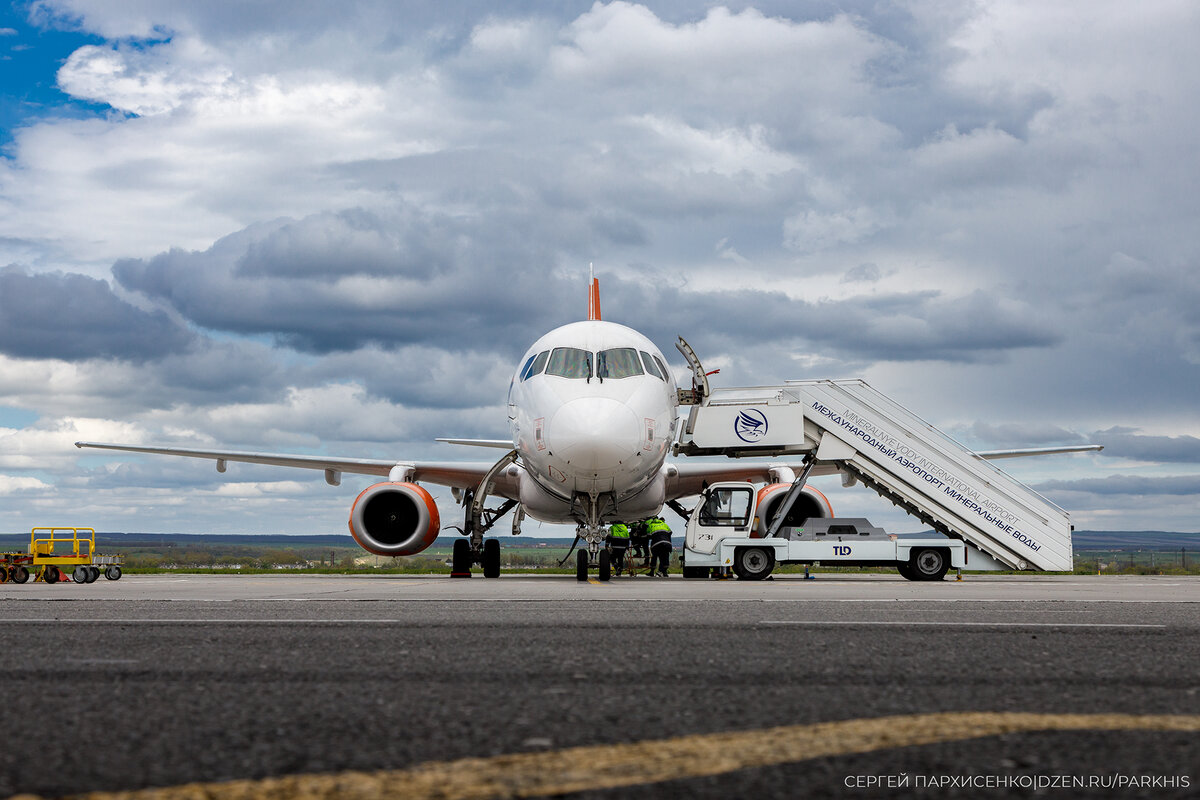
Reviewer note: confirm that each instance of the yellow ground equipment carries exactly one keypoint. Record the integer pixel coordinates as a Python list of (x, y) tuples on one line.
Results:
[(52, 551)]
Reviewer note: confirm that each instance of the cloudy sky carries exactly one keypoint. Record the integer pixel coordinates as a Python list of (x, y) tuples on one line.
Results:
[(334, 227)]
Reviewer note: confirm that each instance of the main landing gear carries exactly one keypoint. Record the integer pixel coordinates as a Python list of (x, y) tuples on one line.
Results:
[(473, 548), (462, 559)]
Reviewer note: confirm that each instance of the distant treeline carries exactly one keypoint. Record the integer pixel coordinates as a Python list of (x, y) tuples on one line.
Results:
[(106, 540)]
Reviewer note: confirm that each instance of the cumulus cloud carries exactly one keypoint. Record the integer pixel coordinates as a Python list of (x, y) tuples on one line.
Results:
[(72, 317), (1129, 443), (1128, 485), (283, 217)]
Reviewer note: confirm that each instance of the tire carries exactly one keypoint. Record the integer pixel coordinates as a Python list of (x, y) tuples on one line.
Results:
[(491, 558), (94, 574), (113, 573), (929, 564), (753, 563), (460, 560), (696, 572), (51, 575), (19, 575), (581, 566), (605, 565), (4, 573), (905, 570), (81, 574)]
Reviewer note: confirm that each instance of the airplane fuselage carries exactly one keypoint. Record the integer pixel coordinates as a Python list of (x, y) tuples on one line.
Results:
[(592, 410)]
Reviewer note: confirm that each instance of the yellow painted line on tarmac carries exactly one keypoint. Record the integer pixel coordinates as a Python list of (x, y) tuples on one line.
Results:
[(594, 582), (580, 769)]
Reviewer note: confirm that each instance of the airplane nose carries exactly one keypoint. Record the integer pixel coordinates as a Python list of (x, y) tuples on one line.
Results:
[(594, 434)]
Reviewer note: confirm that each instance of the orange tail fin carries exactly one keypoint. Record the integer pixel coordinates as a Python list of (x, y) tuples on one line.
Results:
[(594, 299)]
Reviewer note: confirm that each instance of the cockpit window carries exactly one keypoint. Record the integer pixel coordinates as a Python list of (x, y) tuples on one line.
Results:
[(570, 362), (651, 367), (662, 366), (620, 362), (535, 365)]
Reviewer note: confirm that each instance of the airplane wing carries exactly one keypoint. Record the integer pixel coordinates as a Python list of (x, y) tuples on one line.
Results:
[(992, 455), (504, 444), (462, 475)]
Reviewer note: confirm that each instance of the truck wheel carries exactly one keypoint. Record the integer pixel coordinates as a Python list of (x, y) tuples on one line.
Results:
[(929, 564), (113, 573), (905, 570), (753, 563), (491, 558), (581, 565)]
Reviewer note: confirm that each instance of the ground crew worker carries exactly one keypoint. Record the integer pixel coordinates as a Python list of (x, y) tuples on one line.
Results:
[(637, 539), (660, 545), (618, 542)]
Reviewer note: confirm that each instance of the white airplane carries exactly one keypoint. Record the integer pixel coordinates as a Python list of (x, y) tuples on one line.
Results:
[(593, 411)]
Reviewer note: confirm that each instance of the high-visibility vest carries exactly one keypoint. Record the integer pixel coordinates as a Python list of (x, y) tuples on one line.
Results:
[(619, 530), (654, 525)]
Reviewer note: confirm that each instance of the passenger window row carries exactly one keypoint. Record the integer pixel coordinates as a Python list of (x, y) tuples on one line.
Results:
[(571, 362)]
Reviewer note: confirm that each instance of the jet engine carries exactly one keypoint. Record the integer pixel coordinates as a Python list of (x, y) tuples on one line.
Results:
[(394, 519), (809, 505)]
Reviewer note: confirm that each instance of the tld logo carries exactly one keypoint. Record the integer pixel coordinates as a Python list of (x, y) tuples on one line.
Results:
[(841, 550), (750, 425)]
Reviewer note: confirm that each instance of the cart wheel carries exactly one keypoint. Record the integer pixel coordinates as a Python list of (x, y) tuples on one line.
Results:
[(19, 575), (81, 574), (581, 565), (113, 573), (3, 574), (51, 574)]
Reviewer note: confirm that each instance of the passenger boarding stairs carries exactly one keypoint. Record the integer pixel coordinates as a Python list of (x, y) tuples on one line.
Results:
[(850, 427)]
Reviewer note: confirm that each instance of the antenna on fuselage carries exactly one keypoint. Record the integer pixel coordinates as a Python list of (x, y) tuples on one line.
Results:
[(593, 294)]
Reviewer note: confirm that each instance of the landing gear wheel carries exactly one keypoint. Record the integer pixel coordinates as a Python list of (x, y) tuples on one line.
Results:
[(753, 563), (491, 558), (929, 564), (605, 565), (19, 575), (113, 573), (81, 574), (581, 565), (93, 574), (51, 575), (460, 559)]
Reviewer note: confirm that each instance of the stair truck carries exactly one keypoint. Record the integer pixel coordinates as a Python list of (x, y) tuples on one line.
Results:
[(725, 531)]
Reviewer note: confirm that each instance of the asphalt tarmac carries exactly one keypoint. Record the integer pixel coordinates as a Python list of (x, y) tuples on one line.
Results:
[(868, 686)]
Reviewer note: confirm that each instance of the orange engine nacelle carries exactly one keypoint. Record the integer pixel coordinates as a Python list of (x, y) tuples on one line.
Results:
[(811, 504), (394, 519)]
